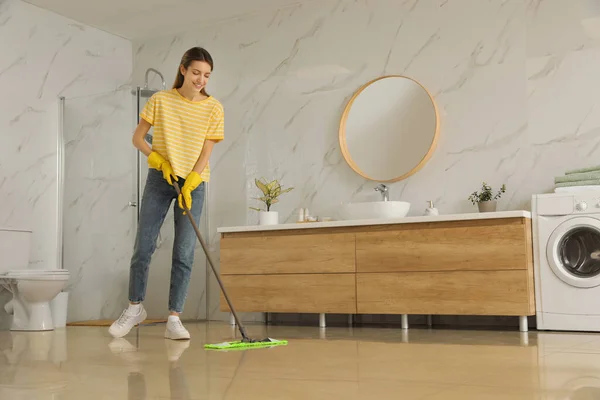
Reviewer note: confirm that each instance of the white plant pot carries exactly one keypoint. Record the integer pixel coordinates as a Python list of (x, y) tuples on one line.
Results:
[(268, 217), (487, 206)]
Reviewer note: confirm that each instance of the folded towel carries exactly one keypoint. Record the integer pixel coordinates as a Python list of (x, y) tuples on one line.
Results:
[(581, 176), (587, 169), (579, 183), (577, 189)]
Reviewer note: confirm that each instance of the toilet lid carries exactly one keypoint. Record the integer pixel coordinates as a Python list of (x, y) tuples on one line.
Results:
[(38, 272), (38, 275)]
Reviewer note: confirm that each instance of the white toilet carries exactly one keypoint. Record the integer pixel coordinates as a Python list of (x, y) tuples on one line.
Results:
[(32, 289)]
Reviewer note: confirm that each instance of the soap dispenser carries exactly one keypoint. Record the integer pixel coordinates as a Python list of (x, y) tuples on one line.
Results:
[(431, 210)]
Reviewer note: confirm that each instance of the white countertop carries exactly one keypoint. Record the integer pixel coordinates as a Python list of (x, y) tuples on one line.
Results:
[(370, 222)]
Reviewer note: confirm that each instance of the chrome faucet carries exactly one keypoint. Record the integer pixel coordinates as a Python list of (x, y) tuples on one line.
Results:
[(385, 195)]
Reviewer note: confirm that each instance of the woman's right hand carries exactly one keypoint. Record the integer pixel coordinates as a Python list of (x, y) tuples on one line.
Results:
[(158, 162), (155, 160)]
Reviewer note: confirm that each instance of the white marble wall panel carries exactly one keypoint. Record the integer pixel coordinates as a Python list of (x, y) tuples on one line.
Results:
[(45, 56), (564, 116), (561, 27)]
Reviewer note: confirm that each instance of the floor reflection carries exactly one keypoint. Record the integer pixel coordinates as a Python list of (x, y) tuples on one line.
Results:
[(333, 363), (136, 380)]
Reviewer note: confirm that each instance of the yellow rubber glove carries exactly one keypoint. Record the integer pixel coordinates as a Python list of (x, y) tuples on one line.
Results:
[(192, 182), (158, 162)]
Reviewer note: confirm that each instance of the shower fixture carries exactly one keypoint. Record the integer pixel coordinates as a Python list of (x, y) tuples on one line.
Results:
[(147, 92)]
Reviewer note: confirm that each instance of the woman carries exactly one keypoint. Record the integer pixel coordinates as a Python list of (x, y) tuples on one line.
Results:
[(187, 123)]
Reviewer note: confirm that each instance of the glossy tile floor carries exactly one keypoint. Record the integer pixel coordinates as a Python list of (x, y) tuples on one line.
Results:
[(336, 363)]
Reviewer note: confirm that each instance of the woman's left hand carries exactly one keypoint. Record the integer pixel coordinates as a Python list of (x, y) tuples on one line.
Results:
[(191, 182)]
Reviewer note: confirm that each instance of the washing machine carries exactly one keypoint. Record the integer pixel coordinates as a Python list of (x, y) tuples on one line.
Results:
[(566, 244)]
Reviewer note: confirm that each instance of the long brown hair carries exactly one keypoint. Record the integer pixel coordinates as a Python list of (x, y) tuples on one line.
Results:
[(193, 54)]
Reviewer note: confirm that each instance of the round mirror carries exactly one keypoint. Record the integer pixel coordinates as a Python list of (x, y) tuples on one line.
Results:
[(389, 129)]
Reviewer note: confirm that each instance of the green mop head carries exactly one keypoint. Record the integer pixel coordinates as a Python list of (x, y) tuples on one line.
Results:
[(242, 345)]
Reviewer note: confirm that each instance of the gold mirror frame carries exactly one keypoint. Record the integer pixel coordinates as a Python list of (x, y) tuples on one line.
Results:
[(342, 132)]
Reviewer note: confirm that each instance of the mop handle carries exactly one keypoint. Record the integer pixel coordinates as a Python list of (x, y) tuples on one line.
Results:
[(189, 214)]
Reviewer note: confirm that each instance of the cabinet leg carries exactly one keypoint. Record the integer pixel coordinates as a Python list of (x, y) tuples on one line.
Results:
[(429, 321), (404, 336), (404, 321), (231, 319), (322, 322), (523, 324), (350, 319)]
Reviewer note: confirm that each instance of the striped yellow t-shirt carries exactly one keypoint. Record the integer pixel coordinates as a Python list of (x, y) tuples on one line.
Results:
[(181, 126)]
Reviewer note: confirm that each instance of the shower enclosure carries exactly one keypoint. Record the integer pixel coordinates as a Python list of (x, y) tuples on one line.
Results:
[(101, 180)]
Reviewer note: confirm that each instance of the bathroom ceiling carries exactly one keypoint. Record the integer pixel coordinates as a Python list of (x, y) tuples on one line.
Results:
[(137, 19)]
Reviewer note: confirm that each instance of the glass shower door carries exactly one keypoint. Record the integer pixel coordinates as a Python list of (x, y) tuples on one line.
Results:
[(103, 179), (98, 223)]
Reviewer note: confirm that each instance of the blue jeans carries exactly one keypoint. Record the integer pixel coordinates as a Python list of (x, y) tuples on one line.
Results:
[(157, 198)]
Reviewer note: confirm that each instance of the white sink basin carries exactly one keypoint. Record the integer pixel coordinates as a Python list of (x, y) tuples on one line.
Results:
[(374, 210)]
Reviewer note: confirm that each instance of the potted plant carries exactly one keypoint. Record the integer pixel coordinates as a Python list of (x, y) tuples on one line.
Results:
[(486, 200), (270, 195)]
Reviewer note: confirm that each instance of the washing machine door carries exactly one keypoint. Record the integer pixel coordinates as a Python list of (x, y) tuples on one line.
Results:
[(573, 252)]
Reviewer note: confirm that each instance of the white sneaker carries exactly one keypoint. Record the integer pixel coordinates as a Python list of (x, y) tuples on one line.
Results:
[(175, 329), (127, 320)]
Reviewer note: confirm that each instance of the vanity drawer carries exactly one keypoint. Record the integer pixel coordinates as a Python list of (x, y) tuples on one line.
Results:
[(304, 293), (446, 293), (464, 246), (288, 254)]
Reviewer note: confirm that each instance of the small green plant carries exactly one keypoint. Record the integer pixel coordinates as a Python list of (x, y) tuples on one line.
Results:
[(486, 194), (271, 192)]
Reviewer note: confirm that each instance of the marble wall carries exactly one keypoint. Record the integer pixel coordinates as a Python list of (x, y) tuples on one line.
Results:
[(515, 82), (45, 56), (563, 103)]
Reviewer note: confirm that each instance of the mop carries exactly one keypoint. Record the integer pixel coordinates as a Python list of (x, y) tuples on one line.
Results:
[(246, 342)]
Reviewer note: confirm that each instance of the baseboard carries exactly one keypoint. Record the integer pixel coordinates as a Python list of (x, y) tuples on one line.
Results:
[(108, 322)]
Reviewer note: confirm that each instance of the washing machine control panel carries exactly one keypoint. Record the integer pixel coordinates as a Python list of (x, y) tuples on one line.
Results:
[(587, 204), (568, 204)]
